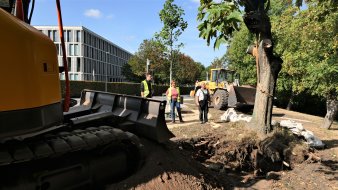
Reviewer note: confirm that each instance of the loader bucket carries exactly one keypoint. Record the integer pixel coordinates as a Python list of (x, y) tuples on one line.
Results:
[(146, 115), (241, 96)]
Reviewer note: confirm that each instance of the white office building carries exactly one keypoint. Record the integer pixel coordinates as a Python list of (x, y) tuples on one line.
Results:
[(90, 56)]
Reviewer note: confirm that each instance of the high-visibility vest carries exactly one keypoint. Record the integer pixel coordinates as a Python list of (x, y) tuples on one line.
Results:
[(178, 95), (146, 91)]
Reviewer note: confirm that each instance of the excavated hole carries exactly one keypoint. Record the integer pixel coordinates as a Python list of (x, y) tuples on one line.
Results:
[(247, 152)]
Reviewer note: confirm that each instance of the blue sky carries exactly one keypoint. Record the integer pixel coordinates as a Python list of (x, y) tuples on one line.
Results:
[(127, 22)]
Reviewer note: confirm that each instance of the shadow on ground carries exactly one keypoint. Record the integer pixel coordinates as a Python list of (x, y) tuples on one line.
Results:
[(331, 143)]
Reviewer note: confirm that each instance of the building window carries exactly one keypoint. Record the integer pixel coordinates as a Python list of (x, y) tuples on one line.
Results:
[(56, 37), (84, 37), (50, 34), (57, 48), (78, 64), (78, 35), (76, 49), (69, 61), (69, 36), (65, 38), (71, 49), (62, 76)]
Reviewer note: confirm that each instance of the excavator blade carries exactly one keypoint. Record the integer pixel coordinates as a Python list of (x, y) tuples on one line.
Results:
[(142, 116), (241, 96)]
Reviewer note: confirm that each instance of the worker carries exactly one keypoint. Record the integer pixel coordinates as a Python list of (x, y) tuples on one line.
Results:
[(146, 88), (202, 99), (173, 97)]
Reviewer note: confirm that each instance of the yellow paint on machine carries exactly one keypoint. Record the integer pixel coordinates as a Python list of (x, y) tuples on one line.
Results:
[(29, 73)]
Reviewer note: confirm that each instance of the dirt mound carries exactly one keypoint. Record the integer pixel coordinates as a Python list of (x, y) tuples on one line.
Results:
[(244, 150)]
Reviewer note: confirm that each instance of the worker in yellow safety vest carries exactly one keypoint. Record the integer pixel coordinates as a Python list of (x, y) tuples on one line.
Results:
[(146, 88), (173, 97)]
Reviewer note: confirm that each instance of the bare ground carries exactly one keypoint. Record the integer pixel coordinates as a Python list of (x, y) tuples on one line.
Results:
[(219, 155)]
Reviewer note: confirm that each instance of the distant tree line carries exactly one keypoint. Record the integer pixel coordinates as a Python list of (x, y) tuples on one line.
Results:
[(185, 69)]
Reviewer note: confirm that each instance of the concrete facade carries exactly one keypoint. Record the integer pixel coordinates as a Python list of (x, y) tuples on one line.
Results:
[(90, 56)]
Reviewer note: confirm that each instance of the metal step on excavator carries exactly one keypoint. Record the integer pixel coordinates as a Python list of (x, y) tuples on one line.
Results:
[(44, 144)]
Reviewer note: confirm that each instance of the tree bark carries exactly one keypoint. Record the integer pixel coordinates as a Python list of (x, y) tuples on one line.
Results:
[(269, 67), (290, 102), (331, 111)]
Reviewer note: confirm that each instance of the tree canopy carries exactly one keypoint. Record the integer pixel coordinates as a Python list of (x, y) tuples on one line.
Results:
[(186, 70), (154, 51), (218, 20)]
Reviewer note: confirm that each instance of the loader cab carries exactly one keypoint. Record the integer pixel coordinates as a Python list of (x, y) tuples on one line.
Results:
[(222, 75)]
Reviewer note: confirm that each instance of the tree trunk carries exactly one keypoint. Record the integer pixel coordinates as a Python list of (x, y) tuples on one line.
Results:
[(268, 67), (290, 103), (331, 111)]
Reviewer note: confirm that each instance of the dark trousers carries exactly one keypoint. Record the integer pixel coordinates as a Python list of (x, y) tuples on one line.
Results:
[(176, 104), (203, 108)]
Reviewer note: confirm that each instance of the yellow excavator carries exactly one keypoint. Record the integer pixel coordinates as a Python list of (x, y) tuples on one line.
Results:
[(44, 144), (225, 90)]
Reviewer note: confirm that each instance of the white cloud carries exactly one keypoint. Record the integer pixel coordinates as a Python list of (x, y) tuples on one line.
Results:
[(110, 16), (94, 13)]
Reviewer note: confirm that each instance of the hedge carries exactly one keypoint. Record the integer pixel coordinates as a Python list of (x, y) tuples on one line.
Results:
[(115, 87), (304, 102)]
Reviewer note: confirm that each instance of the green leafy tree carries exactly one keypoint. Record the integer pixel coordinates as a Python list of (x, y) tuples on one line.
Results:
[(238, 59), (286, 30), (220, 20), (188, 70), (307, 41), (322, 36), (173, 26), (136, 67), (219, 62), (128, 73)]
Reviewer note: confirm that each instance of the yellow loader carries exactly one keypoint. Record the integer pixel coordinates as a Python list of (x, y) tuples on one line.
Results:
[(225, 91)]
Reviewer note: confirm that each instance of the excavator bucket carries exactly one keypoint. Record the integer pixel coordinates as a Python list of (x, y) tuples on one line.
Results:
[(241, 96), (142, 116)]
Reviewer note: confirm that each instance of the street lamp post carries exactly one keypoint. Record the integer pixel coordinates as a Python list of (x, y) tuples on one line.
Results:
[(106, 72)]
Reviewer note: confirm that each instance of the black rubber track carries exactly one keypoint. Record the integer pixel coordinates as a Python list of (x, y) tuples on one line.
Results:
[(21, 162)]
